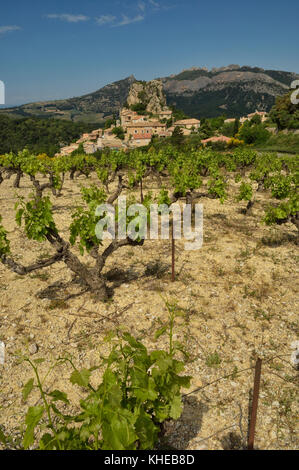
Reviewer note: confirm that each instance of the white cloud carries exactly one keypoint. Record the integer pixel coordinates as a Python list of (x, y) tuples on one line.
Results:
[(105, 19), (126, 20), (154, 3), (8, 29), (69, 17), (141, 6)]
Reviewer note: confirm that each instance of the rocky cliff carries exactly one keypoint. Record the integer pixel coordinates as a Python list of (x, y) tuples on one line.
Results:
[(150, 95)]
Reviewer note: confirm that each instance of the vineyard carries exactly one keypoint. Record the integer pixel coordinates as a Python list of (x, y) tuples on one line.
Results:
[(134, 339)]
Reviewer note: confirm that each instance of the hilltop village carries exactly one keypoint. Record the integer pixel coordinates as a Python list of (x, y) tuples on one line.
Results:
[(144, 115), (136, 131)]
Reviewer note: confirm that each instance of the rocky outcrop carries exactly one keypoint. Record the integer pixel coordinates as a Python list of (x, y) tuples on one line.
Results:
[(149, 94)]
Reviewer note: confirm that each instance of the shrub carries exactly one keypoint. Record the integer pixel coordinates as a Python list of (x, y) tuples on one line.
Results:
[(138, 392)]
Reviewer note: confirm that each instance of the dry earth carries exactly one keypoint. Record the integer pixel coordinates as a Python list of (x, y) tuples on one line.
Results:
[(239, 294)]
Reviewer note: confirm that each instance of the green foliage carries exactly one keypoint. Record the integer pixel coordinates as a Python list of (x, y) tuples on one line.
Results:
[(252, 133), (228, 129), (217, 187), (236, 127), (245, 192), (39, 135), (288, 143), (177, 138), (178, 114), (85, 220), (119, 132), (163, 197), (282, 213), (93, 195), (281, 185), (213, 360), (4, 242), (139, 108), (206, 129), (37, 217), (109, 123), (184, 175), (79, 151), (284, 113), (138, 392)]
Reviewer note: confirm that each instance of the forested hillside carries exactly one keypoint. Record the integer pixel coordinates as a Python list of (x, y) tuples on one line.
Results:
[(39, 135)]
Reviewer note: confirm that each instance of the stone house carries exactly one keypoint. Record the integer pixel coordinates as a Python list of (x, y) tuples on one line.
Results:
[(146, 128), (68, 149), (188, 123), (261, 114), (126, 116), (167, 114), (140, 140)]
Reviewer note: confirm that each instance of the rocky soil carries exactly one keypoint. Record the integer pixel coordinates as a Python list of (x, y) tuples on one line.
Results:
[(239, 294)]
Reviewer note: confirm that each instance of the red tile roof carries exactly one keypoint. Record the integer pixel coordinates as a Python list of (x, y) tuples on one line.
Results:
[(142, 136)]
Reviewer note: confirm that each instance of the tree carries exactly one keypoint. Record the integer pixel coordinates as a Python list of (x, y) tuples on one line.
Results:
[(119, 132), (38, 219), (236, 127), (284, 113), (256, 119), (177, 137), (139, 108), (79, 151), (205, 129), (109, 123), (178, 114), (39, 135), (253, 133)]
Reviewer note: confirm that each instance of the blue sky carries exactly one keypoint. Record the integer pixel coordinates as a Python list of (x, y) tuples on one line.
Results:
[(57, 49)]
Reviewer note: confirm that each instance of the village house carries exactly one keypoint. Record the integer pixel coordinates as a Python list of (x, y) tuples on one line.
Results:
[(97, 132), (139, 140), (186, 131), (126, 116), (109, 132), (113, 143), (188, 123), (146, 128), (261, 114), (68, 149), (220, 138), (165, 115), (89, 147)]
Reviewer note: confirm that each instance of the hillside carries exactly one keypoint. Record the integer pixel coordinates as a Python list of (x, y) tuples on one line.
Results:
[(93, 107), (233, 90), (39, 135), (199, 92)]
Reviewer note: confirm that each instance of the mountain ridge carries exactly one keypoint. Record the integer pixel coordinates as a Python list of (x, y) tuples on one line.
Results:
[(232, 90)]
